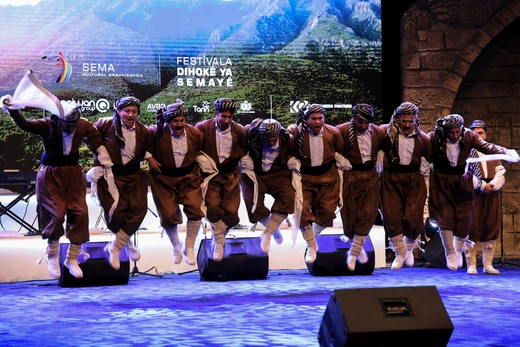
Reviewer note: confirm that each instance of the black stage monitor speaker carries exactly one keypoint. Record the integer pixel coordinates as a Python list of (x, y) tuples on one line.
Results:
[(243, 260), (96, 269), (400, 316), (434, 252), (331, 258)]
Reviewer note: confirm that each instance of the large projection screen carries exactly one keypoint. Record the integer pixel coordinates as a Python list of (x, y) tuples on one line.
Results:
[(272, 56)]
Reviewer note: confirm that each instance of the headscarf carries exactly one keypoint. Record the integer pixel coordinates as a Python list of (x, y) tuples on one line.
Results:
[(301, 123), (478, 124), (225, 104), (72, 116), (165, 114), (363, 112), (406, 108), (120, 104), (451, 121), (267, 128)]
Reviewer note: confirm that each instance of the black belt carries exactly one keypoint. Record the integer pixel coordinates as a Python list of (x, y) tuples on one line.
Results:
[(123, 170), (227, 168), (457, 170), (363, 167), (262, 173), (176, 171), (398, 168), (316, 170), (65, 160)]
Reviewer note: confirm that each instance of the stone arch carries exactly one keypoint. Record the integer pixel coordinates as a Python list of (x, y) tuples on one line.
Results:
[(477, 43), (438, 51)]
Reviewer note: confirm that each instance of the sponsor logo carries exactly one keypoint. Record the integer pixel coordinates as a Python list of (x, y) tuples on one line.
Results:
[(89, 106), (298, 105), (246, 107), (154, 107), (66, 68), (203, 108)]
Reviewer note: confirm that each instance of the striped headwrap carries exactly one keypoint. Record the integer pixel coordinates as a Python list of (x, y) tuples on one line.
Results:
[(120, 104), (225, 104), (165, 114), (267, 128), (301, 123), (407, 109), (174, 110), (363, 112), (451, 121)]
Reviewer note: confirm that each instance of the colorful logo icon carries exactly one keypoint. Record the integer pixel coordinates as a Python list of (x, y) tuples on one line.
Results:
[(66, 71)]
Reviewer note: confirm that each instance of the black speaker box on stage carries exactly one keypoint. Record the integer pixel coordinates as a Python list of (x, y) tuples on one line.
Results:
[(96, 269), (331, 258), (434, 252), (243, 260), (400, 316)]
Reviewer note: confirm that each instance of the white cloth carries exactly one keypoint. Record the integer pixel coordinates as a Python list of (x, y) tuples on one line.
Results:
[(31, 93), (247, 166), (93, 175), (380, 161), (511, 156), (294, 165), (207, 165), (343, 164), (103, 157), (425, 166)]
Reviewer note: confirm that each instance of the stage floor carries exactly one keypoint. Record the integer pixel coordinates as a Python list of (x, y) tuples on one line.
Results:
[(19, 253)]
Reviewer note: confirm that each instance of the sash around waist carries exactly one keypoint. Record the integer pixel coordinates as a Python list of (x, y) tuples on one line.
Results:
[(397, 168), (66, 160), (176, 171), (317, 170), (123, 170)]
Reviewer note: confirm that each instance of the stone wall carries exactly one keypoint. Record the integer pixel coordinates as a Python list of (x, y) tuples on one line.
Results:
[(463, 57)]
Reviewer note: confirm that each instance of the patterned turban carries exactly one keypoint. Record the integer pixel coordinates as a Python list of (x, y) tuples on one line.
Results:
[(269, 128), (392, 134), (478, 124), (174, 110), (120, 104), (313, 108), (451, 121), (363, 112), (301, 123), (225, 104), (406, 108)]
